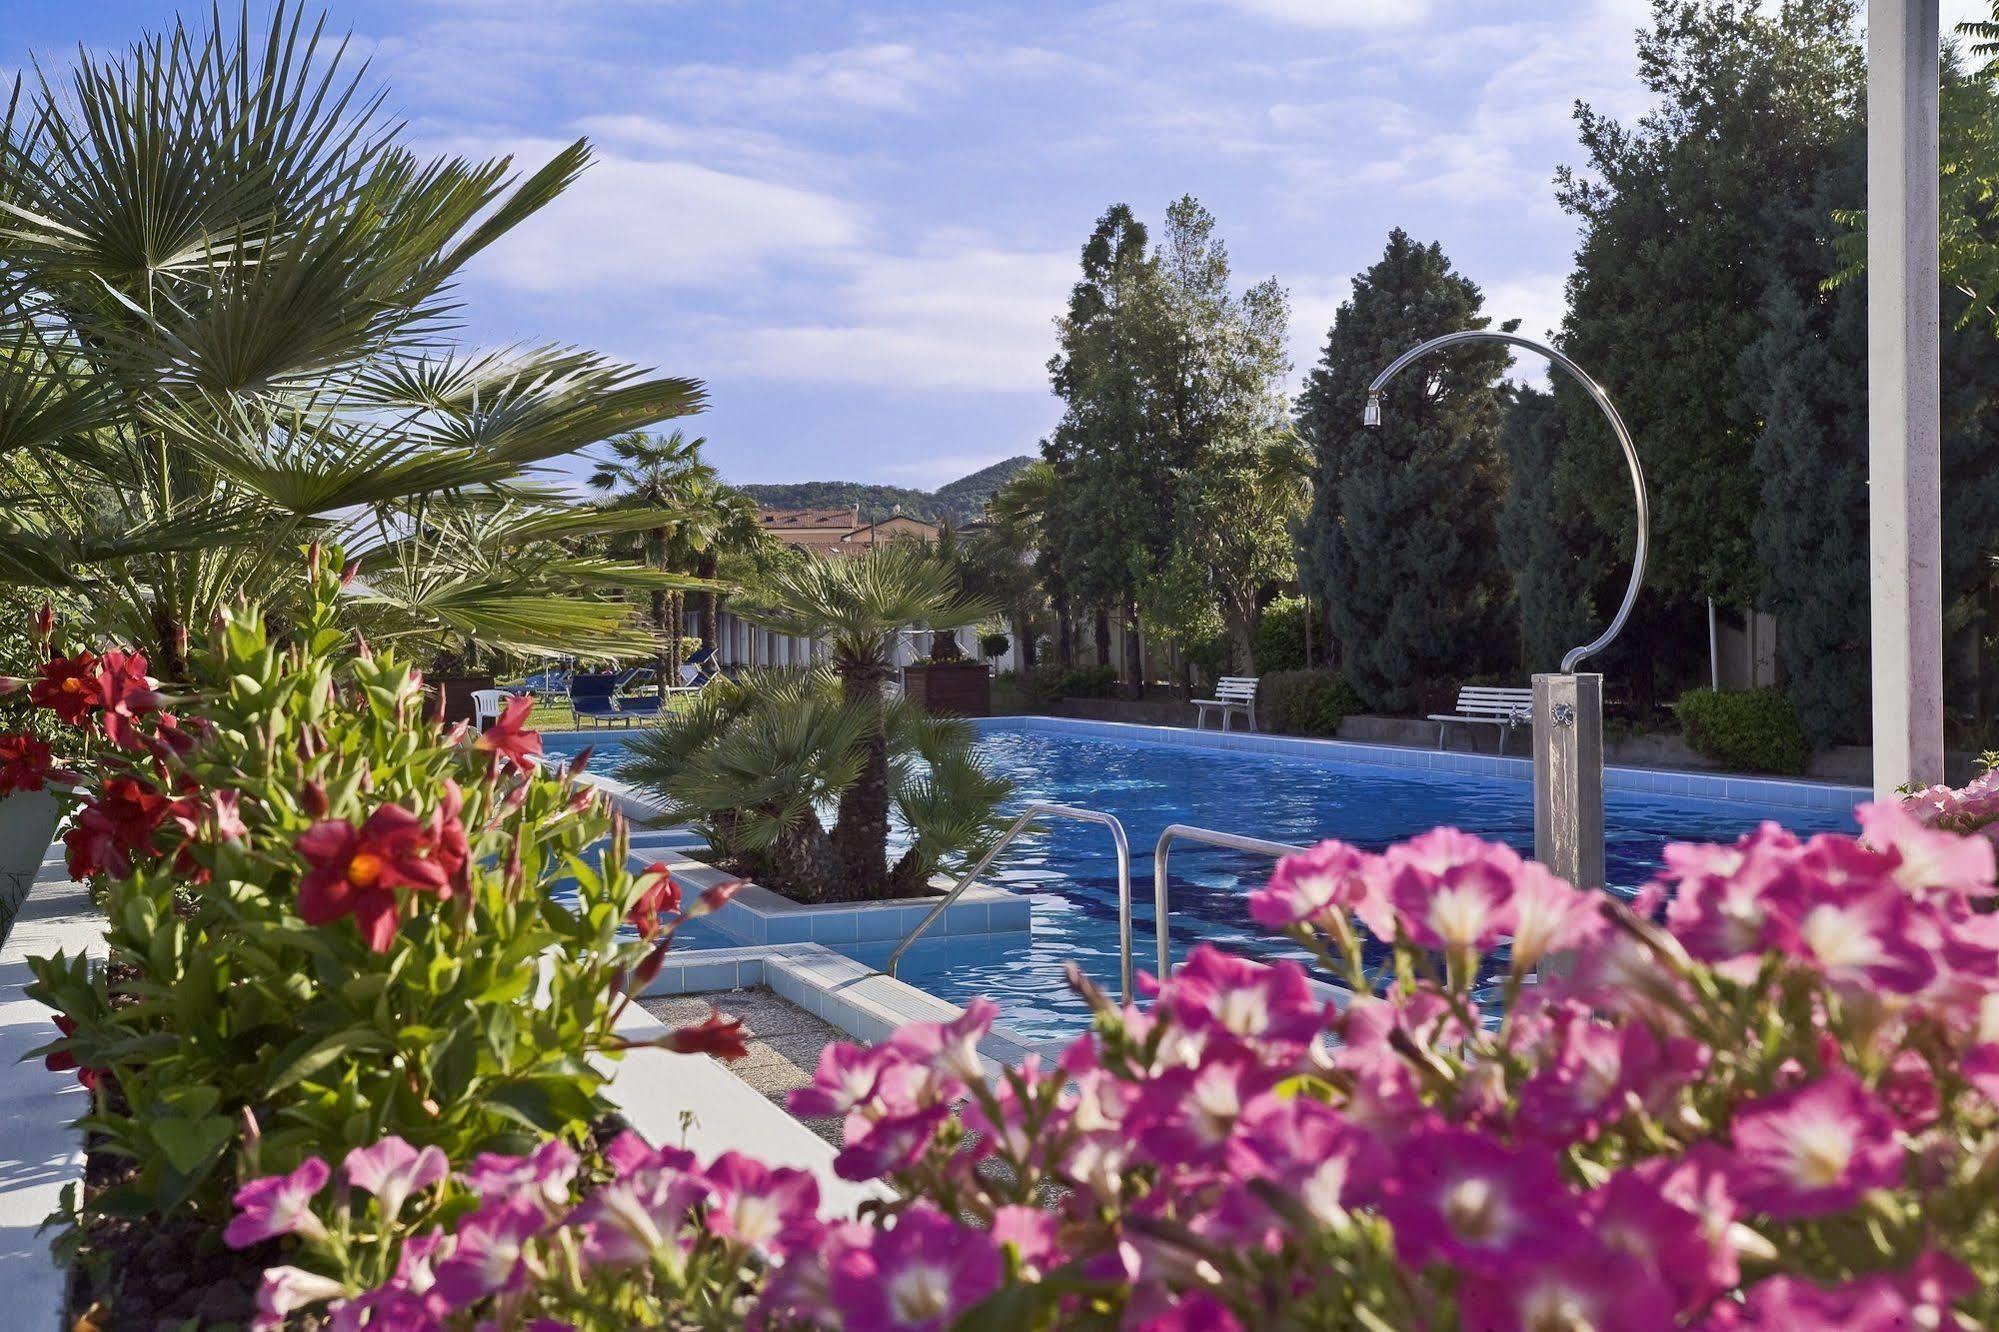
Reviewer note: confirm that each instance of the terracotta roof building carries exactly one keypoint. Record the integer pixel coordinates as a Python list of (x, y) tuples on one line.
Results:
[(841, 531)]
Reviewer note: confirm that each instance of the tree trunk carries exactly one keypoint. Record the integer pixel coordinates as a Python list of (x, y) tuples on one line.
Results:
[(1134, 650), (1104, 637), (1023, 641), (669, 644), (1065, 635), (711, 603), (860, 834), (804, 864)]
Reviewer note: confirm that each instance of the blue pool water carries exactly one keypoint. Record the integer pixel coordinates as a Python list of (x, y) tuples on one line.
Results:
[(1070, 872)]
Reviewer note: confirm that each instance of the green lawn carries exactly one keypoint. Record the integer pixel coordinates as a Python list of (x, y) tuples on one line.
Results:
[(554, 714)]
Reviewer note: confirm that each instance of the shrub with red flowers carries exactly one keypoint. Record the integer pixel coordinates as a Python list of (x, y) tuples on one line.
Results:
[(330, 920), (1764, 1096)]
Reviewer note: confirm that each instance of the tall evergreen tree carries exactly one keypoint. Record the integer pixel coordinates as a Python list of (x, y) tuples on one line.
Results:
[(1107, 450), (1401, 533), (1557, 557), (1754, 103)]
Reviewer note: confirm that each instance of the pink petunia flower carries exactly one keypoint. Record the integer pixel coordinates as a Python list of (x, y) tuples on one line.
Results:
[(1671, 1217), (1312, 886), (278, 1205), (919, 1275), (1463, 1198), (1581, 1289), (1197, 1311), (1549, 916), (1270, 1008), (1814, 1149), (772, 1211), (1928, 861), (544, 1175), (486, 1250), (1451, 890), (1882, 1302), (392, 1170), (627, 1222), (285, 1290)]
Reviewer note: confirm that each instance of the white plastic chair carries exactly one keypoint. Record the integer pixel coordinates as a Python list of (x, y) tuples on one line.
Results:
[(487, 705)]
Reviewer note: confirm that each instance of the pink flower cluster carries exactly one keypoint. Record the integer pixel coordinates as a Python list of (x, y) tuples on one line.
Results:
[(1767, 1098)]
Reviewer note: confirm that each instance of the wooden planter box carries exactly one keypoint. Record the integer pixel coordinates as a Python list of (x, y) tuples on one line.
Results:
[(456, 691), (959, 688)]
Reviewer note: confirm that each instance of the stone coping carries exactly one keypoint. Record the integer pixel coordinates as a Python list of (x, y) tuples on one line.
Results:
[(866, 1004), (1772, 791), (42, 1154)]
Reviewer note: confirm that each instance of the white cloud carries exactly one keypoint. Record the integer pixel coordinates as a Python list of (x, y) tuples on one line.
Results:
[(633, 224), (1336, 13), (887, 76), (957, 314)]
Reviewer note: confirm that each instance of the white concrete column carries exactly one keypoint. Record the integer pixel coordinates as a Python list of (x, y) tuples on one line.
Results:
[(1905, 498)]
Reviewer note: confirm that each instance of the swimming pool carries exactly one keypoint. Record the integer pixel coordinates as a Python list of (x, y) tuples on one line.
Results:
[(1149, 778)]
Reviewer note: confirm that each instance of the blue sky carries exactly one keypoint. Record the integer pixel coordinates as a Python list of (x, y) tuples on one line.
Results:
[(856, 222)]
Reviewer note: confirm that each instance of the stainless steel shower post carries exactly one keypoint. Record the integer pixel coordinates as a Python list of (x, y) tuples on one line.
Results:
[(1568, 708)]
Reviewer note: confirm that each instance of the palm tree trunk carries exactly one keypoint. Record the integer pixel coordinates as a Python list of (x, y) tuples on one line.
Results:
[(663, 664), (860, 834), (1104, 637), (711, 602)]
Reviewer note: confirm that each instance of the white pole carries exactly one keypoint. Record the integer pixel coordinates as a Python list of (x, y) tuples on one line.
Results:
[(1905, 499), (1714, 651)]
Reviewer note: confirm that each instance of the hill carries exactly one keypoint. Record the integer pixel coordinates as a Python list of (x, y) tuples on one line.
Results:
[(957, 502)]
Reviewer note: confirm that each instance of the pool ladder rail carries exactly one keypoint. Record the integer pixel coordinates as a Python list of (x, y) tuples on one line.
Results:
[(1018, 826), (1161, 853)]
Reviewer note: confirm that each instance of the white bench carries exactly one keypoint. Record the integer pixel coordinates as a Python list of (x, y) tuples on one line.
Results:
[(1479, 705), (1233, 694)]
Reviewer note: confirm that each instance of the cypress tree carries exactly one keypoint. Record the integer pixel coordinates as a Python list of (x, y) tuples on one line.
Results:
[(1556, 557), (1400, 539)]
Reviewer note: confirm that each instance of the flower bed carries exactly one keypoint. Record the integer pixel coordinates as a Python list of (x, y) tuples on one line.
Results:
[(327, 921), (344, 1035)]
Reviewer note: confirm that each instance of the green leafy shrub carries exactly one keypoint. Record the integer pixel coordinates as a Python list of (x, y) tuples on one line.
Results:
[(994, 644), (329, 919), (1754, 730), (1280, 636), (1312, 702), (1049, 686)]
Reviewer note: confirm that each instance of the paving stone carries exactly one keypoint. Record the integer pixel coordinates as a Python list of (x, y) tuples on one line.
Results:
[(783, 1044)]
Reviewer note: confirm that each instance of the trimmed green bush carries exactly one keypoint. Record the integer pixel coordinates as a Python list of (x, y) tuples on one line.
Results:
[(1312, 702), (994, 644), (1755, 730), (1046, 686), (1280, 636)]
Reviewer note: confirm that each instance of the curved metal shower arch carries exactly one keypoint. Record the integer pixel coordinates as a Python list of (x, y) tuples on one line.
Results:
[(1575, 655)]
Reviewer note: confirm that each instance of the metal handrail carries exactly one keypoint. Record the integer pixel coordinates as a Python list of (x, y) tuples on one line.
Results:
[(1182, 832), (1027, 815)]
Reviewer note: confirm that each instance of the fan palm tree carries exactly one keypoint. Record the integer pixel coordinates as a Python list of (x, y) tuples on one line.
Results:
[(702, 518), (225, 309), (857, 604), (754, 762), (1020, 512)]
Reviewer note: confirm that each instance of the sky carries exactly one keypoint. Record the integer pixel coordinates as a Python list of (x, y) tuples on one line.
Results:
[(856, 223)]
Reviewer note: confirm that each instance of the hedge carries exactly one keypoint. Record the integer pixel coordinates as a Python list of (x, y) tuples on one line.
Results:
[(1046, 686), (1312, 702), (1754, 730)]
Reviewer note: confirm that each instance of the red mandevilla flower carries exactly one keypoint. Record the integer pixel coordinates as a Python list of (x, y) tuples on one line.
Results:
[(661, 895), (62, 1061), (124, 693), (67, 686), (509, 737), (25, 763), (355, 871), (112, 829)]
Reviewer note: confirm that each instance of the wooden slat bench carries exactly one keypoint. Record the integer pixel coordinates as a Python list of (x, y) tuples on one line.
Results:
[(1233, 694), (1480, 705)]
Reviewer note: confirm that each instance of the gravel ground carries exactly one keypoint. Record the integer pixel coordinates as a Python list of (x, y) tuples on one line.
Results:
[(785, 1042)]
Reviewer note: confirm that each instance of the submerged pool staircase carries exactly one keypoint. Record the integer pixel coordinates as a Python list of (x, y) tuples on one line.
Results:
[(1161, 852)]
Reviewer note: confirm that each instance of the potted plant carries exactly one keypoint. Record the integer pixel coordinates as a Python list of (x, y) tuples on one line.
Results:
[(949, 683)]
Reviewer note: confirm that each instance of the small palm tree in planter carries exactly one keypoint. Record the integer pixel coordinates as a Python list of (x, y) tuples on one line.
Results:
[(758, 763)]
